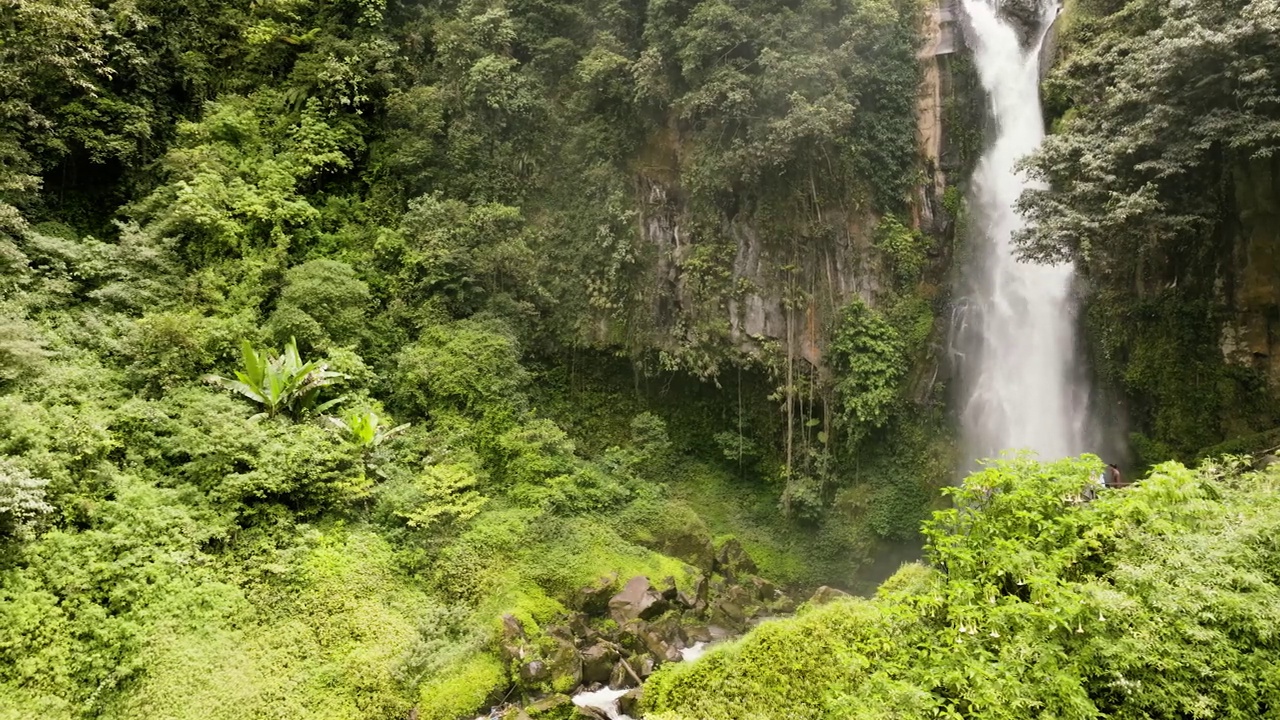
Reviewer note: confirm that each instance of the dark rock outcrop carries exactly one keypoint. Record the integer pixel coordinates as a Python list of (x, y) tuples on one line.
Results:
[(637, 600), (534, 672), (1027, 17), (593, 599), (647, 626), (599, 660), (565, 665), (552, 707), (733, 562), (629, 703), (623, 676), (513, 639), (662, 639)]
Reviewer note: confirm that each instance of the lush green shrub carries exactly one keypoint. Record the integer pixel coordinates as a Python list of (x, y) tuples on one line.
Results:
[(463, 689), (471, 365), (168, 349), (1152, 600), (869, 364), (323, 302)]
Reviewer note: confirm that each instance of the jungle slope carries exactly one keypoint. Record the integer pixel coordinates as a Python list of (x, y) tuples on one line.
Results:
[(1161, 175), (245, 244), (1157, 600)]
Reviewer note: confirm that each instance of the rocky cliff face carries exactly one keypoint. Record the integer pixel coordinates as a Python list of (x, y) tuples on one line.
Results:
[(781, 289), (1249, 282), (777, 286)]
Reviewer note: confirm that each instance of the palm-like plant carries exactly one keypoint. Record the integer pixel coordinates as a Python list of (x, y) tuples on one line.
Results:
[(280, 383), (367, 429)]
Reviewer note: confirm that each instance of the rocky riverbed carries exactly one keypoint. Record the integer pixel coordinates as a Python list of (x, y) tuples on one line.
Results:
[(625, 629)]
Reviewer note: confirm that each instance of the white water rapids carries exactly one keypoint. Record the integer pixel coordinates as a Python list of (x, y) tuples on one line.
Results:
[(1016, 335)]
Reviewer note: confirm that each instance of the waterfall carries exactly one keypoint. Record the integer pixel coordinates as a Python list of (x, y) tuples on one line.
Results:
[(1016, 337)]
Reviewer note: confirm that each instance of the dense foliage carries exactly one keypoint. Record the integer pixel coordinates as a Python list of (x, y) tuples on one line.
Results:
[(1164, 158), (294, 324), (1159, 600)]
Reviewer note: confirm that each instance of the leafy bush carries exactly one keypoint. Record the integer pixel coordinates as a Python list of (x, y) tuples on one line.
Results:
[(169, 349), (280, 383), (1152, 600), (471, 365), (323, 301), (869, 366), (22, 499)]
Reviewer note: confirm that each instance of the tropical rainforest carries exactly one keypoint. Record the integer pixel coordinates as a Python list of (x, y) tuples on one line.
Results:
[(408, 358)]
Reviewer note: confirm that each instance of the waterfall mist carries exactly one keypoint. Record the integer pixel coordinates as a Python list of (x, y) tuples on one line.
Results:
[(1014, 331)]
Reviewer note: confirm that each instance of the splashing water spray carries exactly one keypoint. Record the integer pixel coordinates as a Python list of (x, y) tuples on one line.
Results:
[(1014, 334)]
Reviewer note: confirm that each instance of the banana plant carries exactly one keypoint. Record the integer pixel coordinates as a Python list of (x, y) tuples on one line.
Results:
[(367, 429), (281, 384)]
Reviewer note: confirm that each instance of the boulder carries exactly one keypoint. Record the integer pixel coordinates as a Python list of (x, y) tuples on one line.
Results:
[(513, 641), (564, 664), (825, 594), (551, 707), (629, 704), (668, 589), (631, 637), (637, 600), (623, 676), (643, 665), (692, 545), (598, 661), (765, 591), (718, 633), (590, 713), (560, 633), (734, 606), (697, 634), (695, 600), (729, 614), (578, 628), (732, 560), (784, 605), (534, 672), (593, 599), (662, 639)]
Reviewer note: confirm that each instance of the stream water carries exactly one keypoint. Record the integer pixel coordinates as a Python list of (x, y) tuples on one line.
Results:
[(1014, 331)]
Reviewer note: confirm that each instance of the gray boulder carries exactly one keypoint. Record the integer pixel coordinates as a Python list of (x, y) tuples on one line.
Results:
[(594, 598), (623, 676), (825, 594), (598, 662), (637, 600), (629, 704), (662, 639)]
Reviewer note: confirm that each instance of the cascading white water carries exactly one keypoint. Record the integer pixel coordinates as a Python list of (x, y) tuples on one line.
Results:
[(1018, 341)]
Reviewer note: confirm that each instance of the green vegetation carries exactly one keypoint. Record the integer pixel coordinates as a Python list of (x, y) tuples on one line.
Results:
[(328, 334), (1153, 601), (338, 337), (1160, 186), (282, 383)]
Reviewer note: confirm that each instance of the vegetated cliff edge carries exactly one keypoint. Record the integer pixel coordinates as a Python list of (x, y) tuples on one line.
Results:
[(1164, 190), (759, 267)]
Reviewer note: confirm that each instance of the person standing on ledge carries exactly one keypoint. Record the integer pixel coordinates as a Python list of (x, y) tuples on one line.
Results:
[(1111, 476)]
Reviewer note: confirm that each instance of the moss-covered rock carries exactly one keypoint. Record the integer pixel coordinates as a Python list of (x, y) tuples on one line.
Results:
[(466, 688), (637, 600), (732, 560)]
